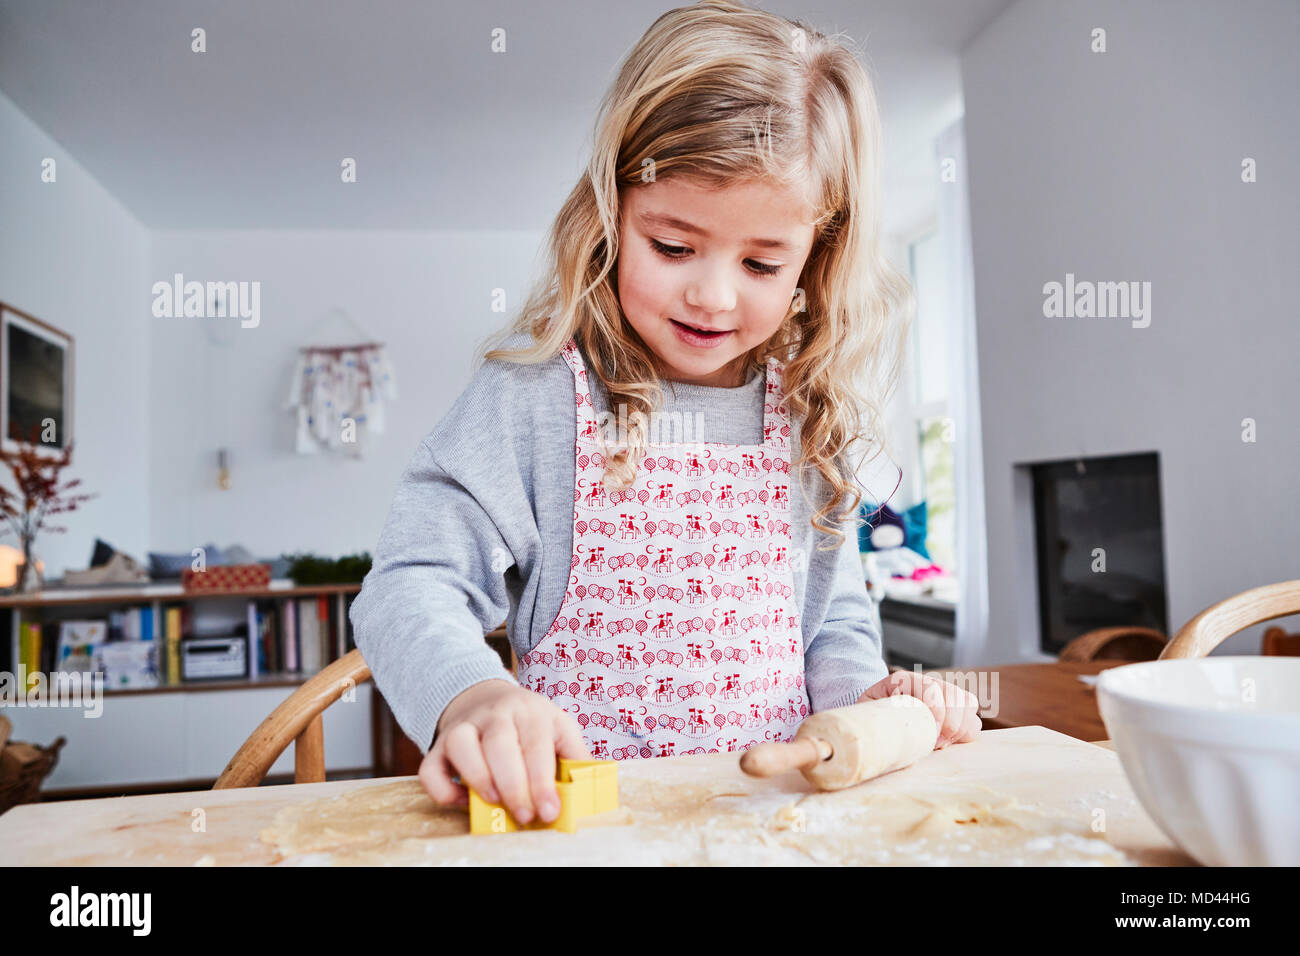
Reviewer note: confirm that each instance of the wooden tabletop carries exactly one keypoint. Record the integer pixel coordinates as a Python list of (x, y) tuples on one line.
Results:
[(1061, 776), (1037, 695)]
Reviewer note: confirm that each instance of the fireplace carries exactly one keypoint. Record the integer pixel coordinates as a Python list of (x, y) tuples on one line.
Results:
[(1099, 544)]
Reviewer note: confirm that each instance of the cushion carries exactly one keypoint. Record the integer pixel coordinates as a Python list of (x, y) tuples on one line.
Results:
[(912, 521), (165, 566), (102, 553)]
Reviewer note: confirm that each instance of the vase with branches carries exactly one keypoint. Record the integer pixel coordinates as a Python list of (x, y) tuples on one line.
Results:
[(39, 496)]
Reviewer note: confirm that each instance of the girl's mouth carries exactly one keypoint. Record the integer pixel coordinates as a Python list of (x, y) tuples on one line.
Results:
[(701, 339)]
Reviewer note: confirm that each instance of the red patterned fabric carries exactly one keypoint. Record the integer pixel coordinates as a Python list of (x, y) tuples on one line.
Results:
[(679, 631)]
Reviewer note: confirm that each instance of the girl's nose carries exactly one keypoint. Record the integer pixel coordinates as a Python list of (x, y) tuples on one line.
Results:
[(711, 292)]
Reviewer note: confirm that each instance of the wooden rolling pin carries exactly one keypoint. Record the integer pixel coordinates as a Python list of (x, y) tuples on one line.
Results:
[(838, 748)]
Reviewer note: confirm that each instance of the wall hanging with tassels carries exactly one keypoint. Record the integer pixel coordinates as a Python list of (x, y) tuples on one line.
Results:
[(339, 392)]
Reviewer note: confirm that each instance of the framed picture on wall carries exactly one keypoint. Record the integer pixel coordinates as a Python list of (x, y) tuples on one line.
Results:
[(35, 382)]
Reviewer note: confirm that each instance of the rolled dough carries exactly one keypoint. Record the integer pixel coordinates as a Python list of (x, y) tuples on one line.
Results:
[(738, 822)]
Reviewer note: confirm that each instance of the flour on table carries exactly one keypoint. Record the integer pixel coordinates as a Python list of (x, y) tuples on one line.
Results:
[(737, 822), (971, 825), (364, 821)]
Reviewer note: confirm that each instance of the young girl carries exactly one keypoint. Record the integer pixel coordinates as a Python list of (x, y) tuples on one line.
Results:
[(620, 481)]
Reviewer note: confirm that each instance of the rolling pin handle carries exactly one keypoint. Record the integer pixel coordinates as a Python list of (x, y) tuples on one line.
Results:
[(769, 759)]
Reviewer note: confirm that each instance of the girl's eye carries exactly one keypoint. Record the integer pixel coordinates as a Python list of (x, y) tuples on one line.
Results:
[(680, 252), (672, 252)]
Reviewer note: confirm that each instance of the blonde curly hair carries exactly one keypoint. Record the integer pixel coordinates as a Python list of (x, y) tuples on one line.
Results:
[(720, 93)]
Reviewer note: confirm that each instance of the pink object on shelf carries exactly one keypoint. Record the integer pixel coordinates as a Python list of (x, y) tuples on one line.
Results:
[(933, 571)]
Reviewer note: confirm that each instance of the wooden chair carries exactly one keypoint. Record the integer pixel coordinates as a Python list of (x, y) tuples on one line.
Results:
[(1116, 643), (1278, 643), (298, 721), (1208, 629)]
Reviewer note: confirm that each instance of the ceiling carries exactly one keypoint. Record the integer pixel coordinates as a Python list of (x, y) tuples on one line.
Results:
[(446, 134)]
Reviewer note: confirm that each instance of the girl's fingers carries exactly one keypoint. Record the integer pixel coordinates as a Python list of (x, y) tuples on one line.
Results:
[(902, 682), (464, 752), (435, 775), (963, 711), (505, 750), (537, 741), (970, 726), (505, 758), (568, 738), (944, 717), (941, 697), (928, 691), (881, 688), (951, 726)]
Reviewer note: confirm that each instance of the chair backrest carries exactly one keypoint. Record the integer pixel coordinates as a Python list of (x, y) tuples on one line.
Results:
[(1278, 643), (1212, 626), (297, 720), (1116, 643)]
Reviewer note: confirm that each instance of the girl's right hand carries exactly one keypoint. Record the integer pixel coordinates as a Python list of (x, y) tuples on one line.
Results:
[(502, 740)]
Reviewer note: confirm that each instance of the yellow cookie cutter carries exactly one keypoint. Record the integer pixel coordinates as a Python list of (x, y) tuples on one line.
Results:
[(586, 787)]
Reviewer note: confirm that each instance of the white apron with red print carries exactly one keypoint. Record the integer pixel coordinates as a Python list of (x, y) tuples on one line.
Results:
[(679, 631)]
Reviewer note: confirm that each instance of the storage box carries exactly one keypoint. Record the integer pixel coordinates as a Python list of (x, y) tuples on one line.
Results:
[(227, 577)]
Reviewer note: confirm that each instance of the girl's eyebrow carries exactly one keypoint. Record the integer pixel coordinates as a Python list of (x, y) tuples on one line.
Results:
[(672, 222)]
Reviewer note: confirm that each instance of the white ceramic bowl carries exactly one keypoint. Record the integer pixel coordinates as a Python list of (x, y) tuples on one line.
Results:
[(1211, 747)]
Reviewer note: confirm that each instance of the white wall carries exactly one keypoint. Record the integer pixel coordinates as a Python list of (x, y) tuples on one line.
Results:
[(155, 399), (71, 255), (1126, 166), (428, 295)]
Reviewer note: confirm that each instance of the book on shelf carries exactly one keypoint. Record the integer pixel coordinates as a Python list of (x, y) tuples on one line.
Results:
[(289, 622), (267, 637), (79, 643), (254, 633), (275, 638), (137, 624), (172, 644), (128, 664), (325, 618), (263, 617), (308, 636), (29, 647)]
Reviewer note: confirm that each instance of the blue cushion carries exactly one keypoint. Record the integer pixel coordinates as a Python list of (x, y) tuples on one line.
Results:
[(913, 520), (165, 566)]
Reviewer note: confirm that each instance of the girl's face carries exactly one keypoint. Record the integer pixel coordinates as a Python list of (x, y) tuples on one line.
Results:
[(717, 259)]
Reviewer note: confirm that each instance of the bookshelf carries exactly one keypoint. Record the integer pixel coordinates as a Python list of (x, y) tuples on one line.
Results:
[(52, 606), (173, 732), (180, 736)]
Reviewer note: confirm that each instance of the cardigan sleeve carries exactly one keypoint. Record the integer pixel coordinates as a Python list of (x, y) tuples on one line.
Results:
[(845, 655), (435, 587), (447, 568)]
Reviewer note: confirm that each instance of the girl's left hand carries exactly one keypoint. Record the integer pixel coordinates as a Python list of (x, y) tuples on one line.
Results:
[(955, 709)]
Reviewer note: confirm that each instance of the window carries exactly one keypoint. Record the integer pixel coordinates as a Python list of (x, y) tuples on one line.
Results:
[(930, 413)]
